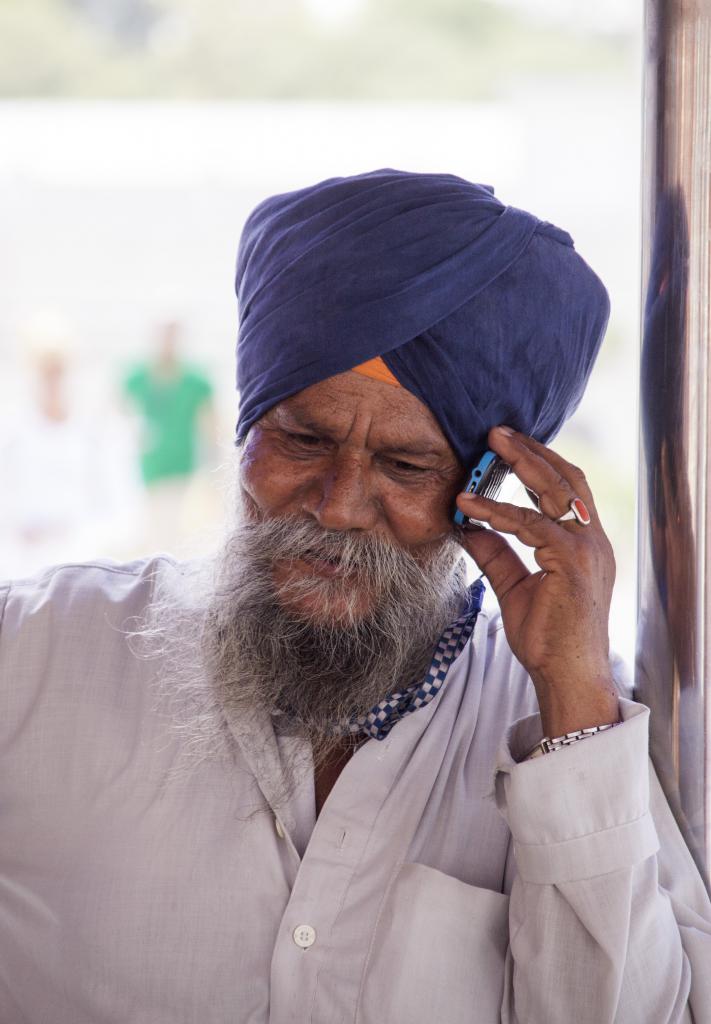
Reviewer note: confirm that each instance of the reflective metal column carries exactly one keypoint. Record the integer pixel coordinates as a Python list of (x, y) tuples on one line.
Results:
[(673, 670)]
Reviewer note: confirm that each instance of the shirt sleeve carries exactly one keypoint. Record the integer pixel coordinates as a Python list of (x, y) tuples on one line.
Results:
[(4, 594), (609, 919), (202, 390), (133, 385)]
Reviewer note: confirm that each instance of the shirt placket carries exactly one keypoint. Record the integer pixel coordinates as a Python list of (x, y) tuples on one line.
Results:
[(307, 947), (345, 863)]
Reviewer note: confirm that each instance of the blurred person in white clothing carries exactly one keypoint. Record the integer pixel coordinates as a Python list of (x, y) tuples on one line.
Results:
[(69, 491)]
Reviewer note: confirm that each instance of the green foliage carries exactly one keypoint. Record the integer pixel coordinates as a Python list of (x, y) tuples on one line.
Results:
[(279, 49)]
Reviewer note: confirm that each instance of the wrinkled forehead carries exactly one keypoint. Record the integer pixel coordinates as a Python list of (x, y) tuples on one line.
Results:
[(350, 403)]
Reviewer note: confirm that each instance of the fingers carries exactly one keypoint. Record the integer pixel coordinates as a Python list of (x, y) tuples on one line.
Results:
[(530, 527), (497, 560), (555, 480)]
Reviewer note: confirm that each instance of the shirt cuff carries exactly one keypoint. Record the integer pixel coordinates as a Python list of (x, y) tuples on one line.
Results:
[(581, 811)]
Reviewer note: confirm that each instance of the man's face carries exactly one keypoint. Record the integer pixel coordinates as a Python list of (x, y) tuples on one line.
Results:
[(339, 574), (352, 455)]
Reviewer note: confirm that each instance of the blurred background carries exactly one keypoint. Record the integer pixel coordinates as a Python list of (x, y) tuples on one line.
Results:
[(136, 137)]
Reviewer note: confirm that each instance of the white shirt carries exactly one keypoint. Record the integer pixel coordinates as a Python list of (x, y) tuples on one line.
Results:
[(68, 489), (443, 882)]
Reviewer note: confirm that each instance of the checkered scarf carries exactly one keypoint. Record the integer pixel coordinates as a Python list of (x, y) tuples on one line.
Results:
[(378, 722)]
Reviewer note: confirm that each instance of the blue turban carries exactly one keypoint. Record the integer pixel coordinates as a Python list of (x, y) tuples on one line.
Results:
[(484, 312)]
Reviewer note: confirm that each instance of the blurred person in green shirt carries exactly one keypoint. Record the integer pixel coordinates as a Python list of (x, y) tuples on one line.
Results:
[(174, 402), (172, 398)]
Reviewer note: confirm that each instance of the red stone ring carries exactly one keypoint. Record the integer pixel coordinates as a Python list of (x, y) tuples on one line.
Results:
[(577, 511)]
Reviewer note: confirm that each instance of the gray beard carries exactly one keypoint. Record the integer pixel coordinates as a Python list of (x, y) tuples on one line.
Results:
[(237, 647)]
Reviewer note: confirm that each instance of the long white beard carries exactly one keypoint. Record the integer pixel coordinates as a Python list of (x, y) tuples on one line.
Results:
[(238, 646)]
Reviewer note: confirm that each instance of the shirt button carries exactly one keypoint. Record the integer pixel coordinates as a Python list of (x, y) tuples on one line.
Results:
[(304, 935), (279, 828)]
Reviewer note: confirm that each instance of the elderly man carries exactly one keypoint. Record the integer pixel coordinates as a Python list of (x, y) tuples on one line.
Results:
[(315, 781)]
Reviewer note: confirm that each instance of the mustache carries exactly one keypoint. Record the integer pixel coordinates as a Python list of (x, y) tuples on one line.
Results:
[(293, 538), (367, 558)]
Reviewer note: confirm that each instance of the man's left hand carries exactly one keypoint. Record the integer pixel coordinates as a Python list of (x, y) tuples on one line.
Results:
[(556, 620)]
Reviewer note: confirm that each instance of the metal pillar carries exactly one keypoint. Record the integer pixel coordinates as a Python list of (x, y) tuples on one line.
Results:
[(673, 665)]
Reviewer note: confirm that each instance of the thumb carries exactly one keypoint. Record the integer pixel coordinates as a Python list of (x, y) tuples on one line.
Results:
[(503, 568)]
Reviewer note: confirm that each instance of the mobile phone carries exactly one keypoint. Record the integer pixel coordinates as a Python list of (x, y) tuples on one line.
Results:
[(486, 479)]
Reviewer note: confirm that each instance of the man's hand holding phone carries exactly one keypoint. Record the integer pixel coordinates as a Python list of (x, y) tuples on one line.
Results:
[(556, 619)]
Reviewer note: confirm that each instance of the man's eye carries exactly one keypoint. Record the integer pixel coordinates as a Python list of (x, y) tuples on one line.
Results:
[(308, 440), (407, 467)]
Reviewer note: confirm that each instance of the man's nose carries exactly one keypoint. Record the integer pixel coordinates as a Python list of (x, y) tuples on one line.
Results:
[(342, 498)]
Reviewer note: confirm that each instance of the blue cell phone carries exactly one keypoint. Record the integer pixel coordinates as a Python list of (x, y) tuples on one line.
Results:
[(485, 479)]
